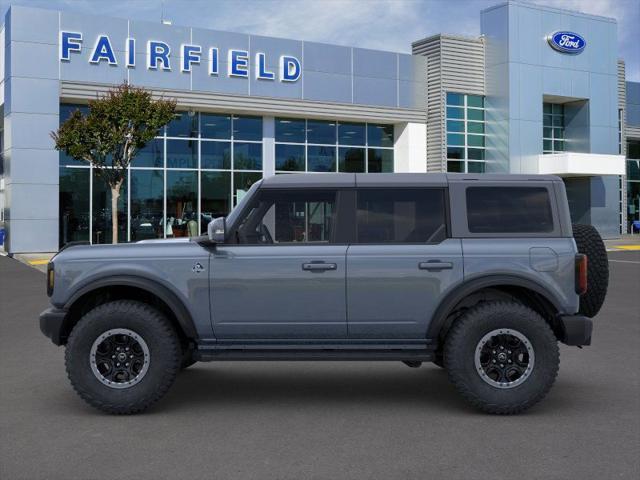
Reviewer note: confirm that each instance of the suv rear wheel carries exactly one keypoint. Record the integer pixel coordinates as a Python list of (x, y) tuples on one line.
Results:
[(122, 356), (502, 357)]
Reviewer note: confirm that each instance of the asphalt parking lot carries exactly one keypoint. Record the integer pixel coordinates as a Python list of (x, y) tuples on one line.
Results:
[(320, 420)]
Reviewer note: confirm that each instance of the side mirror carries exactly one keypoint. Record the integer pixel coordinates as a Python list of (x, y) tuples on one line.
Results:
[(216, 229)]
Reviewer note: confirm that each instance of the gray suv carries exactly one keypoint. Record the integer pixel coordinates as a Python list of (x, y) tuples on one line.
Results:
[(481, 274)]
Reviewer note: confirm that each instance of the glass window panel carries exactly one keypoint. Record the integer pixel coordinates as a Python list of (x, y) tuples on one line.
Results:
[(215, 192), (546, 108), (242, 182), (475, 167), (74, 205), (351, 160), (455, 152), (215, 126), (633, 201), (473, 114), (351, 133), (290, 217), (455, 139), (455, 167), (547, 145), (558, 133), (475, 127), (319, 131), (389, 215), (475, 153), (509, 210), (66, 109), (290, 130), (182, 204), (558, 121), (633, 149), (380, 161), (558, 145), (247, 156), (65, 159), (547, 132), (380, 135), (152, 155), (247, 128), (475, 140), (454, 112), (102, 211), (455, 98), (547, 120), (321, 159), (182, 153), (147, 199), (215, 155), (184, 124), (633, 169), (557, 108), (290, 158), (475, 101), (455, 126)]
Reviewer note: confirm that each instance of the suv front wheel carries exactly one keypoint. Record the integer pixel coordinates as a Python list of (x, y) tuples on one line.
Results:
[(122, 356), (502, 357)]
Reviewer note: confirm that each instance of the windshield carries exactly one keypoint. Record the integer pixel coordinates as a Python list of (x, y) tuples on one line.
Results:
[(231, 218)]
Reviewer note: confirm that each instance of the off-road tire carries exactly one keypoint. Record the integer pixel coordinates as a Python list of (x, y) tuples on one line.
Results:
[(463, 339), (590, 243), (152, 326)]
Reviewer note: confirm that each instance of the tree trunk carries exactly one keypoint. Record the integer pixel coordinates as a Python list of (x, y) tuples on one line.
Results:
[(115, 194)]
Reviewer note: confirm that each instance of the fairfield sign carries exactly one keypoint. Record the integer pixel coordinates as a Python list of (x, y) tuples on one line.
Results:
[(159, 56)]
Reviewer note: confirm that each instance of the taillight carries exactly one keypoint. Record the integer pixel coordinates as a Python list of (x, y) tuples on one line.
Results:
[(50, 278), (581, 274)]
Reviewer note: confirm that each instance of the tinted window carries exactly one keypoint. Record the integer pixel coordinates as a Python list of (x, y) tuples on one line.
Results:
[(289, 217), (401, 216), (509, 210)]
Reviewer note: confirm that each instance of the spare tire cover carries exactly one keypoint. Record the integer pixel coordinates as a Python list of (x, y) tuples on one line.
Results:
[(590, 243)]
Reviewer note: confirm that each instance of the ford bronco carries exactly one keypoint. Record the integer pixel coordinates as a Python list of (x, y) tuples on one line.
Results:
[(481, 274)]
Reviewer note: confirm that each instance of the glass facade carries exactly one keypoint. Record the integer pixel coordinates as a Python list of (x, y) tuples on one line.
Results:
[(330, 146), (552, 128), (196, 169), (465, 130), (633, 184)]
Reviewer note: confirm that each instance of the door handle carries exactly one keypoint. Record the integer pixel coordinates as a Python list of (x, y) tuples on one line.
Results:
[(319, 266), (435, 265)]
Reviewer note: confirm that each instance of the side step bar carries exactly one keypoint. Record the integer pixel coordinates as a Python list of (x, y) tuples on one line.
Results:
[(210, 355)]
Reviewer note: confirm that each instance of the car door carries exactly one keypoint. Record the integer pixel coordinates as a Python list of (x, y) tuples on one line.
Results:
[(401, 263), (285, 276)]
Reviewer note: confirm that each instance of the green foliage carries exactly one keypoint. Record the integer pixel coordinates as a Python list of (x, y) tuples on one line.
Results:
[(117, 126)]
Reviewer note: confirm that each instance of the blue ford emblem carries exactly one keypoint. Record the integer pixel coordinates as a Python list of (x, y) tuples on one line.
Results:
[(567, 42)]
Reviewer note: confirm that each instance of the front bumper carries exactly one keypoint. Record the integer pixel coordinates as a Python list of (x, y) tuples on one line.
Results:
[(575, 330), (52, 324)]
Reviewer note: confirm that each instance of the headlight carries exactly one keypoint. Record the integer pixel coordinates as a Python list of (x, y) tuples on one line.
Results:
[(50, 278)]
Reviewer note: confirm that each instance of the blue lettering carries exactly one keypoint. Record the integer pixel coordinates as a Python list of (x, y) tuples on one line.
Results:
[(103, 51), (213, 61), (238, 63), (131, 52), (190, 55), (69, 42), (261, 68), (290, 70), (158, 52)]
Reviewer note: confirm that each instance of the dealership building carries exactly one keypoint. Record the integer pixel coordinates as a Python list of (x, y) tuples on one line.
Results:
[(540, 91)]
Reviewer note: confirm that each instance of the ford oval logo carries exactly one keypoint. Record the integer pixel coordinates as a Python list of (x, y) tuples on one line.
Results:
[(567, 42)]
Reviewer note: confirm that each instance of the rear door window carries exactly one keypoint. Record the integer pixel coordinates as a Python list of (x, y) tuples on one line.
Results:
[(509, 210), (401, 215)]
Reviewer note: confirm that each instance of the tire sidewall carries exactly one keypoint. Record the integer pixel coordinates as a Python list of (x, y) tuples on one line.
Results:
[(144, 321), (460, 356)]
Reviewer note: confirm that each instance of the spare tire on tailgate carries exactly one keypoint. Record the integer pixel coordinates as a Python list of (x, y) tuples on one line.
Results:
[(590, 243)]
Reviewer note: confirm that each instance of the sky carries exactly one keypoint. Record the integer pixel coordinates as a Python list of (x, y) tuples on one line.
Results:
[(378, 24)]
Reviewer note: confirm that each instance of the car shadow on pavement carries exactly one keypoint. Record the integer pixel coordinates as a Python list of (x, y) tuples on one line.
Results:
[(310, 385)]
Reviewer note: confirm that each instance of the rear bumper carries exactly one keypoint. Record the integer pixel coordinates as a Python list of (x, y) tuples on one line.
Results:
[(51, 324), (575, 330)]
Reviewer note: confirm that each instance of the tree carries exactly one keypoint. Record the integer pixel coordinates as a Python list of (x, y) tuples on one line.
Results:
[(117, 126)]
